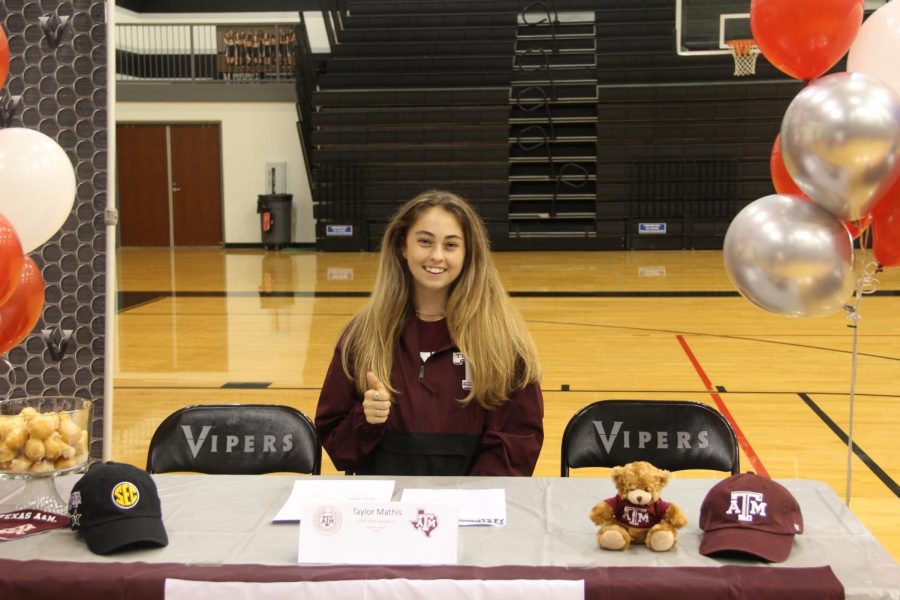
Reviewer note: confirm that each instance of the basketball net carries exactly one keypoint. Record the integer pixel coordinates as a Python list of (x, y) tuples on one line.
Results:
[(744, 53)]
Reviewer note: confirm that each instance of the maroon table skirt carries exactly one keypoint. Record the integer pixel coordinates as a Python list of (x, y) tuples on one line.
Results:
[(49, 580)]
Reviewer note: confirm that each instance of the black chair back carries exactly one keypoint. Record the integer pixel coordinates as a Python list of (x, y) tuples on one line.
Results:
[(672, 435), (235, 439)]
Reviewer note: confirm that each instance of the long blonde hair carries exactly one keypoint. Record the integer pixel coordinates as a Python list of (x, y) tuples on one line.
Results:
[(483, 324)]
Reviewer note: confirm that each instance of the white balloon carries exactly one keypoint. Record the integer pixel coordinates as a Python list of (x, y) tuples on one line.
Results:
[(877, 45), (37, 185)]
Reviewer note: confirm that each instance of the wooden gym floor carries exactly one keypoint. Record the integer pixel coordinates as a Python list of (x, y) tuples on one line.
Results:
[(210, 325)]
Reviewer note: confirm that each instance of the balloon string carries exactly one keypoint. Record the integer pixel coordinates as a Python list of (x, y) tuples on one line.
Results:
[(866, 284), (854, 317)]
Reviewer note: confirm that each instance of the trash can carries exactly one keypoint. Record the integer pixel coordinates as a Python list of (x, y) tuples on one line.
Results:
[(275, 219)]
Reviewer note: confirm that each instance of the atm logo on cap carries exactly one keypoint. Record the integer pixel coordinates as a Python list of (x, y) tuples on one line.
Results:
[(125, 495), (747, 505)]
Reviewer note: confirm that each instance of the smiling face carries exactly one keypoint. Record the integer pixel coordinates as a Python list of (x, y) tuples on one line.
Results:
[(435, 252)]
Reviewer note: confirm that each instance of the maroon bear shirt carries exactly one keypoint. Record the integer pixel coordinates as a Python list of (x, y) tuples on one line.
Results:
[(636, 515)]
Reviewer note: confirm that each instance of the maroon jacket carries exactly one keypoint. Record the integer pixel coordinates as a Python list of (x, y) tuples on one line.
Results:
[(428, 431)]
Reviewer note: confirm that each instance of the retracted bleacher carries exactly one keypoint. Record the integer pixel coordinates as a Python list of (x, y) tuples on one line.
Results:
[(415, 95), (569, 125)]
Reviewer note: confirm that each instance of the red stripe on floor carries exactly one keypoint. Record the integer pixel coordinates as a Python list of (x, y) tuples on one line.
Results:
[(720, 404)]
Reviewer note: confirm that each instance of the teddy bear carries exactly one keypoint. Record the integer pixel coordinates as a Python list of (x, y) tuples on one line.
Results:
[(636, 513)]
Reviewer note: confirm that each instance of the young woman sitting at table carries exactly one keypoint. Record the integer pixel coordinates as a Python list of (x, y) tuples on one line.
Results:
[(438, 374)]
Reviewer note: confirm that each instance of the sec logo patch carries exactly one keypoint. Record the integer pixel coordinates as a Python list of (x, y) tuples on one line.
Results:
[(125, 495)]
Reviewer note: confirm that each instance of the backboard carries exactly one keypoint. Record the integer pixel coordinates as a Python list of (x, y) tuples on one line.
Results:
[(703, 26)]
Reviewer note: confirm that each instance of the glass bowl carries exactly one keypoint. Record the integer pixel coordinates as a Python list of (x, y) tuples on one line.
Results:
[(41, 438)]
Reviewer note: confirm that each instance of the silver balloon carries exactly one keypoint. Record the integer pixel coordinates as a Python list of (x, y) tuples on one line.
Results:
[(840, 139), (790, 256)]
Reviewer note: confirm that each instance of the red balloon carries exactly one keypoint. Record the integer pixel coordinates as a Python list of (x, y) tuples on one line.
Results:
[(10, 259), (23, 309), (784, 183), (886, 227), (4, 57), (805, 38)]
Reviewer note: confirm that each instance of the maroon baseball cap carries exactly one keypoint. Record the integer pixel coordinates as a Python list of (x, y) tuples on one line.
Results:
[(751, 514)]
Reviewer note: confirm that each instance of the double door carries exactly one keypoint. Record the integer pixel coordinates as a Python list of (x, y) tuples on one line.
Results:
[(170, 184)]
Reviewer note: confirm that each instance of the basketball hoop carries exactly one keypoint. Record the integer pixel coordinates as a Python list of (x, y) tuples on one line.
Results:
[(744, 53)]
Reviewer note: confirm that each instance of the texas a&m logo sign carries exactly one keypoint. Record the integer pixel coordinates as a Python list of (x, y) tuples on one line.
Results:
[(425, 522)]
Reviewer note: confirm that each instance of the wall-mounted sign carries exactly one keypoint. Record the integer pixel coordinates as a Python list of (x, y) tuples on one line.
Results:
[(651, 228), (339, 230)]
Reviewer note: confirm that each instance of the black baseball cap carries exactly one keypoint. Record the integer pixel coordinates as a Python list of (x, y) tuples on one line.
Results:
[(116, 507)]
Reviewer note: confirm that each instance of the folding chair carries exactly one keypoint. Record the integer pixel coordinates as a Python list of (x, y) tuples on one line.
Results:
[(235, 439), (672, 435)]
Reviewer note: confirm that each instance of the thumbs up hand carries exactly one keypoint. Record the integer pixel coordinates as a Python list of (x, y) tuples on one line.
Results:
[(376, 400)]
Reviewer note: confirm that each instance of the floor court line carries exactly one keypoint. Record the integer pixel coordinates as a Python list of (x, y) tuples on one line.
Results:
[(712, 335), (859, 452), (720, 404)]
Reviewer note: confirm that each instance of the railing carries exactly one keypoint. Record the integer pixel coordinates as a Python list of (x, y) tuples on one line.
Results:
[(232, 53), (535, 98), (306, 82), (337, 188), (333, 12), (250, 53)]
